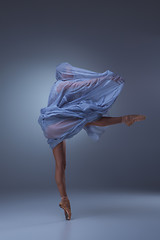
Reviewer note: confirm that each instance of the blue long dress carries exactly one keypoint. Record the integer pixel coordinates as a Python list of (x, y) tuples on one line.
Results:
[(77, 97)]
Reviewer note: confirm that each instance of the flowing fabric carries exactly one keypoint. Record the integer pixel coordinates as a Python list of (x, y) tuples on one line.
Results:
[(77, 97)]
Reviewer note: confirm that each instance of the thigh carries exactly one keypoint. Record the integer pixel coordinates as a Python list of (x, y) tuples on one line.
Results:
[(56, 130)]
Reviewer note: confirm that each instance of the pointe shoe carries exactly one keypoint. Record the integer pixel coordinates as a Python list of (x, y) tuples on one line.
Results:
[(130, 119), (65, 204)]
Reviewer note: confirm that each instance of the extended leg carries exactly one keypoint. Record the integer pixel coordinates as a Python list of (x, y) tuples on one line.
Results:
[(127, 119), (104, 121), (59, 153)]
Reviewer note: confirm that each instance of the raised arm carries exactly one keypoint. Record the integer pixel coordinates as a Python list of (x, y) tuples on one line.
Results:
[(67, 84), (88, 82)]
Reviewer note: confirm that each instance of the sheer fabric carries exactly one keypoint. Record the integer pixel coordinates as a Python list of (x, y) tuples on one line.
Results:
[(77, 97)]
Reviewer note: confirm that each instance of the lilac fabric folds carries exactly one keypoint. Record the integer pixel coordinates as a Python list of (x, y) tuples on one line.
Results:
[(78, 96)]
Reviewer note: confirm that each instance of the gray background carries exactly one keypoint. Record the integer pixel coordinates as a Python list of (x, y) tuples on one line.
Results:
[(121, 36)]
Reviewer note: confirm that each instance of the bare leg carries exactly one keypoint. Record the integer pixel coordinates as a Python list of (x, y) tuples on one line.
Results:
[(59, 153), (127, 119), (64, 150), (105, 121)]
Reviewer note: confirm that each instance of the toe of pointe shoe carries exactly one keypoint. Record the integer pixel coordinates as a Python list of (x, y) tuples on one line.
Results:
[(139, 118), (67, 209), (67, 214), (143, 117)]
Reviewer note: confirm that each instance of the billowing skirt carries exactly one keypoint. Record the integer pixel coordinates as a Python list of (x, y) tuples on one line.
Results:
[(73, 103)]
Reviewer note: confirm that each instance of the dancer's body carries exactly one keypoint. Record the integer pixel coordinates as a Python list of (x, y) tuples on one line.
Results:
[(59, 153), (77, 98)]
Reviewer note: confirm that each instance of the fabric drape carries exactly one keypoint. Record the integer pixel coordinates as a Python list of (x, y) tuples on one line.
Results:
[(78, 96)]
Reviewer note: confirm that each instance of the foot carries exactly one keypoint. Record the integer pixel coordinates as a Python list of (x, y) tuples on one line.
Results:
[(130, 119), (65, 204)]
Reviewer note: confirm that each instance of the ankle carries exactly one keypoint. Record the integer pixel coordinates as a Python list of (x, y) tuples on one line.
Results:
[(64, 197)]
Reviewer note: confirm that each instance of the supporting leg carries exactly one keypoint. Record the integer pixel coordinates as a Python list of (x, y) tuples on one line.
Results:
[(59, 153)]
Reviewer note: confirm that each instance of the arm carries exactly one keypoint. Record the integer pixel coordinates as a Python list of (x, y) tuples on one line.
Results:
[(67, 84), (92, 81)]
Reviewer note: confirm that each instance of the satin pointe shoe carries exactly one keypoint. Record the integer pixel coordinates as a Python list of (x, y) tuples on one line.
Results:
[(65, 204), (130, 119)]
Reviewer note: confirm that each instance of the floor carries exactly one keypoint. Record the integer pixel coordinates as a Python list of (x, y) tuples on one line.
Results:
[(95, 215)]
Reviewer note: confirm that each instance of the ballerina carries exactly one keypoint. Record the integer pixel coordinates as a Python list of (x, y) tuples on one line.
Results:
[(79, 99)]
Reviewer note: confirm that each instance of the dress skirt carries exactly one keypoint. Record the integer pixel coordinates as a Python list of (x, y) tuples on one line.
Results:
[(77, 97)]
